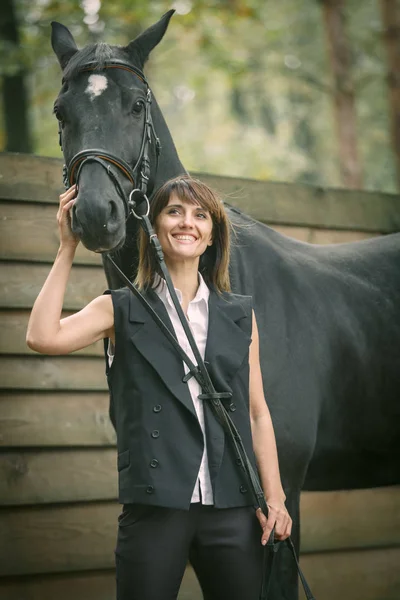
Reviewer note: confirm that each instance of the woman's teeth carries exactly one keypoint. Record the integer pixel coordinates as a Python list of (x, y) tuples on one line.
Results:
[(189, 238)]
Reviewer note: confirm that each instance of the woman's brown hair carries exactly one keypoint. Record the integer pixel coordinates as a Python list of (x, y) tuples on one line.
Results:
[(214, 263)]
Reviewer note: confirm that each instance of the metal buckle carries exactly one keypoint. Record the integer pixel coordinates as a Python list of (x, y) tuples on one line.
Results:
[(130, 201)]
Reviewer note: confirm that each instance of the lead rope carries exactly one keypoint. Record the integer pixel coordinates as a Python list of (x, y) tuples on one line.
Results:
[(212, 396)]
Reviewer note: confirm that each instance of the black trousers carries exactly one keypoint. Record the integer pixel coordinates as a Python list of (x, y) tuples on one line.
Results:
[(154, 545)]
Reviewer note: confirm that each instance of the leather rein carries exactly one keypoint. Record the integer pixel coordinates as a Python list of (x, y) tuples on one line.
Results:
[(134, 205)]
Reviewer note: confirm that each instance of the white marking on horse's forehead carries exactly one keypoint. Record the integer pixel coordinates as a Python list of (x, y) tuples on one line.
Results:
[(96, 85)]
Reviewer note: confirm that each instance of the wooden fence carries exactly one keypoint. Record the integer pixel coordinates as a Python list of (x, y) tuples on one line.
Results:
[(57, 462)]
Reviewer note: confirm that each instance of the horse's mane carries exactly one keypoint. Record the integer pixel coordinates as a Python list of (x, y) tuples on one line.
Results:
[(98, 53)]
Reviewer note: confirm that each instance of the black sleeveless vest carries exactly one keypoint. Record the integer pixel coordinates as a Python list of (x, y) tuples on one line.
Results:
[(159, 439)]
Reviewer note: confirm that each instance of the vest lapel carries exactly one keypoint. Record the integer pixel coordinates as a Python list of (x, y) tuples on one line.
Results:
[(227, 347), (155, 347), (227, 342)]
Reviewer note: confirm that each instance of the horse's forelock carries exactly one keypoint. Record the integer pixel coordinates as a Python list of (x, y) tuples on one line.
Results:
[(98, 53)]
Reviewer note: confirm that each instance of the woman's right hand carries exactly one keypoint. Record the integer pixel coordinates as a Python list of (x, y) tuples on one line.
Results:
[(67, 237)]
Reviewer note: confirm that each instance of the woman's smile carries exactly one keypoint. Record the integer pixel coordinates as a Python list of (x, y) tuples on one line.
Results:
[(184, 237)]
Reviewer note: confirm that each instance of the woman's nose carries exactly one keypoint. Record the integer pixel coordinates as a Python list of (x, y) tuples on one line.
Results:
[(187, 220)]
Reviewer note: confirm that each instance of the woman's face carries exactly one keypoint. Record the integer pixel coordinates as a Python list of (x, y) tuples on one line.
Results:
[(184, 230)]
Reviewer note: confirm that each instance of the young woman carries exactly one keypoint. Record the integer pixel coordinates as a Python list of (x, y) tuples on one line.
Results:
[(183, 494)]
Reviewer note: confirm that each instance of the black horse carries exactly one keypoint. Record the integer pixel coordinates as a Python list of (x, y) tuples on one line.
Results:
[(329, 316)]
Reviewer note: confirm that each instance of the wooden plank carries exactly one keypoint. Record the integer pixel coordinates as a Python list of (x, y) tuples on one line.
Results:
[(304, 205), (97, 585), (13, 325), (350, 519), (33, 178), (370, 575), (58, 539), (55, 538), (21, 283), (58, 476), (52, 373), (28, 231), (298, 233), (333, 236), (55, 419), (313, 235), (364, 574)]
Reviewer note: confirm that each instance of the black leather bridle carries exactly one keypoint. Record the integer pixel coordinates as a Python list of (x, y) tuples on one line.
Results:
[(139, 174)]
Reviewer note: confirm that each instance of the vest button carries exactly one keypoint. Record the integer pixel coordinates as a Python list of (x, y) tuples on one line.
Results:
[(155, 433), (239, 462), (232, 407), (150, 489), (243, 489), (157, 408), (154, 463)]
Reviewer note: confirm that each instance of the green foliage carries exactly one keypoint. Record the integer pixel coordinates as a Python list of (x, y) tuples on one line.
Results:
[(244, 84)]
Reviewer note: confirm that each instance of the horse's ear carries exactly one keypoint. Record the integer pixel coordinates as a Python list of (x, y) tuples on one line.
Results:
[(141, 46), (63, 43)]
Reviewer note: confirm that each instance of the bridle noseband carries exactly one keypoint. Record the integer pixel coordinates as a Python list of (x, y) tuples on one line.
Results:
[(140, 172)]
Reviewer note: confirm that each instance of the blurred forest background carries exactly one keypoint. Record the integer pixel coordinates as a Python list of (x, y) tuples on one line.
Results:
[(285, 90)]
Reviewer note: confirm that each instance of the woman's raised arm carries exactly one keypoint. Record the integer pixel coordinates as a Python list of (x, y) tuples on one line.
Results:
[(47, 332)]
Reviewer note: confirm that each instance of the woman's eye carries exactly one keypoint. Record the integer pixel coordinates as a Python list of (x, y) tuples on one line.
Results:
[(202, 215), (138, 107)]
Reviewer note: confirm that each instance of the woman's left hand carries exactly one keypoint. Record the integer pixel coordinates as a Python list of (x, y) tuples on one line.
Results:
[(279, 517)]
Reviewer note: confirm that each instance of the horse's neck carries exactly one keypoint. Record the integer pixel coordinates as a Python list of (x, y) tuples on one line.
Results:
[(169, 164)]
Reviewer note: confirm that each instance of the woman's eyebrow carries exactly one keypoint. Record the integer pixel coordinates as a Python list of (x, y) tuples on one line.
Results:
[(197, 207)]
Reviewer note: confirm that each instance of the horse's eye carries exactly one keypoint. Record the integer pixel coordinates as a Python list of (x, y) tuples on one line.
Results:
[(138, 107), (58, 115)]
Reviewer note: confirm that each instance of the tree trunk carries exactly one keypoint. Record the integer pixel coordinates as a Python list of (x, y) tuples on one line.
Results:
[(390, 10), (15, 98), (344, 98)]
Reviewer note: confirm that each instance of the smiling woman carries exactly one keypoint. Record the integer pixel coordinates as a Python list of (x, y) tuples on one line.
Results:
[(192, 225), (183, 493)]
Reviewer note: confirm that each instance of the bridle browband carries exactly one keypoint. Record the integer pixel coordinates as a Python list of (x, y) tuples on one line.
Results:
[(139, 174)]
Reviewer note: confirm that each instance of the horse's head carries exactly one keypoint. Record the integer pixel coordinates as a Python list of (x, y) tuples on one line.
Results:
[(106, 130)]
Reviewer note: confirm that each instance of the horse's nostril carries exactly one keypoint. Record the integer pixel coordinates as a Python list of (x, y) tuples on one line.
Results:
[(76, 227), (113, 211)]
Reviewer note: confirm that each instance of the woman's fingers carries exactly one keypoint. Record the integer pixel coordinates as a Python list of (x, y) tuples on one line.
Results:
[(67, 200), (69, 191), (267, 525), (68, 195), (261, 517), (279, 518), (283, 522)]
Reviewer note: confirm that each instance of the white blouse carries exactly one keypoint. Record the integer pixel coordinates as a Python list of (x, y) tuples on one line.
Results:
[(197, 314)]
